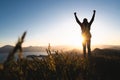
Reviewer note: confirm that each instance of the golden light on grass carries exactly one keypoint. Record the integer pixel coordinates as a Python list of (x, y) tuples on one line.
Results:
[(1, 67)]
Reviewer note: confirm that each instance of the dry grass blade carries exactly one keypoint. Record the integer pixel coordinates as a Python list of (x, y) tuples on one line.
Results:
[(18, 47)]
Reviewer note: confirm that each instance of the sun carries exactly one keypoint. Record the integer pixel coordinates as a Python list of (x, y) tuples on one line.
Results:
[(76, 42), (82, 39)]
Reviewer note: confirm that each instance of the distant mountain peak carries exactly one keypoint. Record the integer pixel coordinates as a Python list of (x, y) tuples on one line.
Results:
[(7, 46)]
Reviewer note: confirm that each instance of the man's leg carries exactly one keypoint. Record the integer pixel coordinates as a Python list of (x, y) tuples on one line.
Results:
[(88, 47), (84, 48)]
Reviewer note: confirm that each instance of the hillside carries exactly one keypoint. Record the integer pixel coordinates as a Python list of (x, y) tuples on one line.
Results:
[(104, 64)]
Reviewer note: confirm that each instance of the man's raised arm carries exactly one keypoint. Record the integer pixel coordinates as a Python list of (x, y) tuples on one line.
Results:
[(77, 20), (94, 11)]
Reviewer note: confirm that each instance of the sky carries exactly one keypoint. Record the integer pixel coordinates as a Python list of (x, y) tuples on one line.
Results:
[(52, 21)]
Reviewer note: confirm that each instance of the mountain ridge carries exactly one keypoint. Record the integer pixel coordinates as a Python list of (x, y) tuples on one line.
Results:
[(8, 48)]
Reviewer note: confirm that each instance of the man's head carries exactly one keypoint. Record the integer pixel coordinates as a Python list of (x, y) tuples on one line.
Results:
[(85, 20)]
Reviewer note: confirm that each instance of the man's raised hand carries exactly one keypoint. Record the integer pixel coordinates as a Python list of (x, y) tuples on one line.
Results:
[(94, 11), (74, 13)]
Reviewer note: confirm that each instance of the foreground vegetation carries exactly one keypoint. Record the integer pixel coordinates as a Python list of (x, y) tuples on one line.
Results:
[(60, 66), (63, 66)]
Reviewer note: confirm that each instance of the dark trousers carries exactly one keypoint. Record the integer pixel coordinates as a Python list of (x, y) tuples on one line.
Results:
[(86, 44)]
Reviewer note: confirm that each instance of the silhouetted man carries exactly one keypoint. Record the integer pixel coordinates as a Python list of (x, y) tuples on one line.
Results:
[(85, 27)]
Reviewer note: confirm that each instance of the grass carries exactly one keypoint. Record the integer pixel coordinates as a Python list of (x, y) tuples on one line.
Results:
[(63, 66), (60, 66), (53, 67)]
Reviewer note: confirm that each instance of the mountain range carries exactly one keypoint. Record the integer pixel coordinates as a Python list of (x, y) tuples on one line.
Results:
[(8, 48)]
